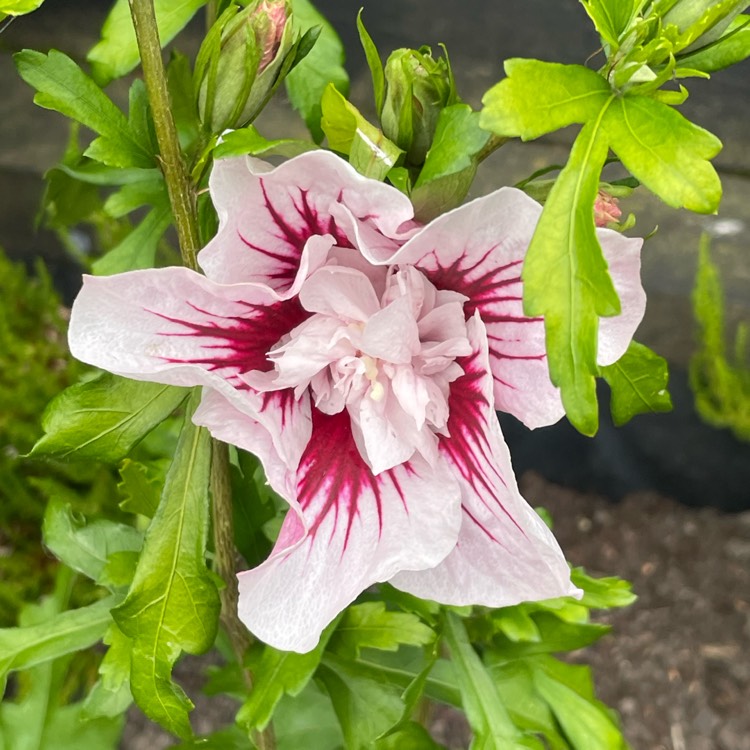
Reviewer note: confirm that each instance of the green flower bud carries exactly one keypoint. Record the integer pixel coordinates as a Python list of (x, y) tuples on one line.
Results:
[(418, 88), (243, 68)]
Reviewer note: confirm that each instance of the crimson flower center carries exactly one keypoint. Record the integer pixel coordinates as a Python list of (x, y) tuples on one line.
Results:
[(381, 343)]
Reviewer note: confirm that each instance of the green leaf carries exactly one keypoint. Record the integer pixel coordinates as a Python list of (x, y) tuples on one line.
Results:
[(85, 547), (374, 63), (133, 195), (406, 666), (602, 593), (639, 384), (665, 151), (138, 249), (484, 708), (529, 712), (731, 48), (24, 647), (413, 736), (612, 17), (104, 418), (324, 64), (451, 162), (540, 97), (173, 604), (94, 173), (116, 53), (278, 673), (249, 141), (139, 490), (253, 508), (230, 738), (566, 279), (38, 720), (111, 695), (307, 721), (182, 99), (366, 702), (40, 716), (585, 723), (18, 7), (348, 132), (370, 625), (555, 635), (516, 624), (61, 85)]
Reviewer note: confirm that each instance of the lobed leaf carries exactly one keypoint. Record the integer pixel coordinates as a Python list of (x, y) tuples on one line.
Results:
[(140, 492), (103, 419), (639, 384), (278, 673), (173, 604), (85, 547), (370, 625), (111, 695), (540, 97), (602, 593), (555, 635), (665, 151), (61, 85), (566, 279)]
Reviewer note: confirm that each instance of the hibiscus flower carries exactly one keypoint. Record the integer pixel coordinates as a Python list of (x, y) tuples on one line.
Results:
[(361, 357)]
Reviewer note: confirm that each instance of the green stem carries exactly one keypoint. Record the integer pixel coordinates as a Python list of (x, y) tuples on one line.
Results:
[(493, 144), (211, 14), (225, 563), (181, 193), (182, 198)]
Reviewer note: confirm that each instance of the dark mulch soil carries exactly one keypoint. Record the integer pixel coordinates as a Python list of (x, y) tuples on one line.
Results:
[(677, 666)]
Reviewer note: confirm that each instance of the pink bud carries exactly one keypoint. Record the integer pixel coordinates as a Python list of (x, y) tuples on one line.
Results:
[(270, 17), (606, 210)]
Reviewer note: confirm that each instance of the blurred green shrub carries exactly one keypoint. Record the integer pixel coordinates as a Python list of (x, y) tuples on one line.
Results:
[(720, 381), (34, 367)]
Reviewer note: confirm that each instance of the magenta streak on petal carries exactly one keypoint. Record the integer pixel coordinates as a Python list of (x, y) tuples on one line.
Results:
[(294, 237), (282, 401), (468, 447), (333, 476), (248, 339), (482, 293)]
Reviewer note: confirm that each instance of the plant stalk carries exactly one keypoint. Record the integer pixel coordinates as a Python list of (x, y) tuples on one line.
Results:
[(182, 198), (181, 194)]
